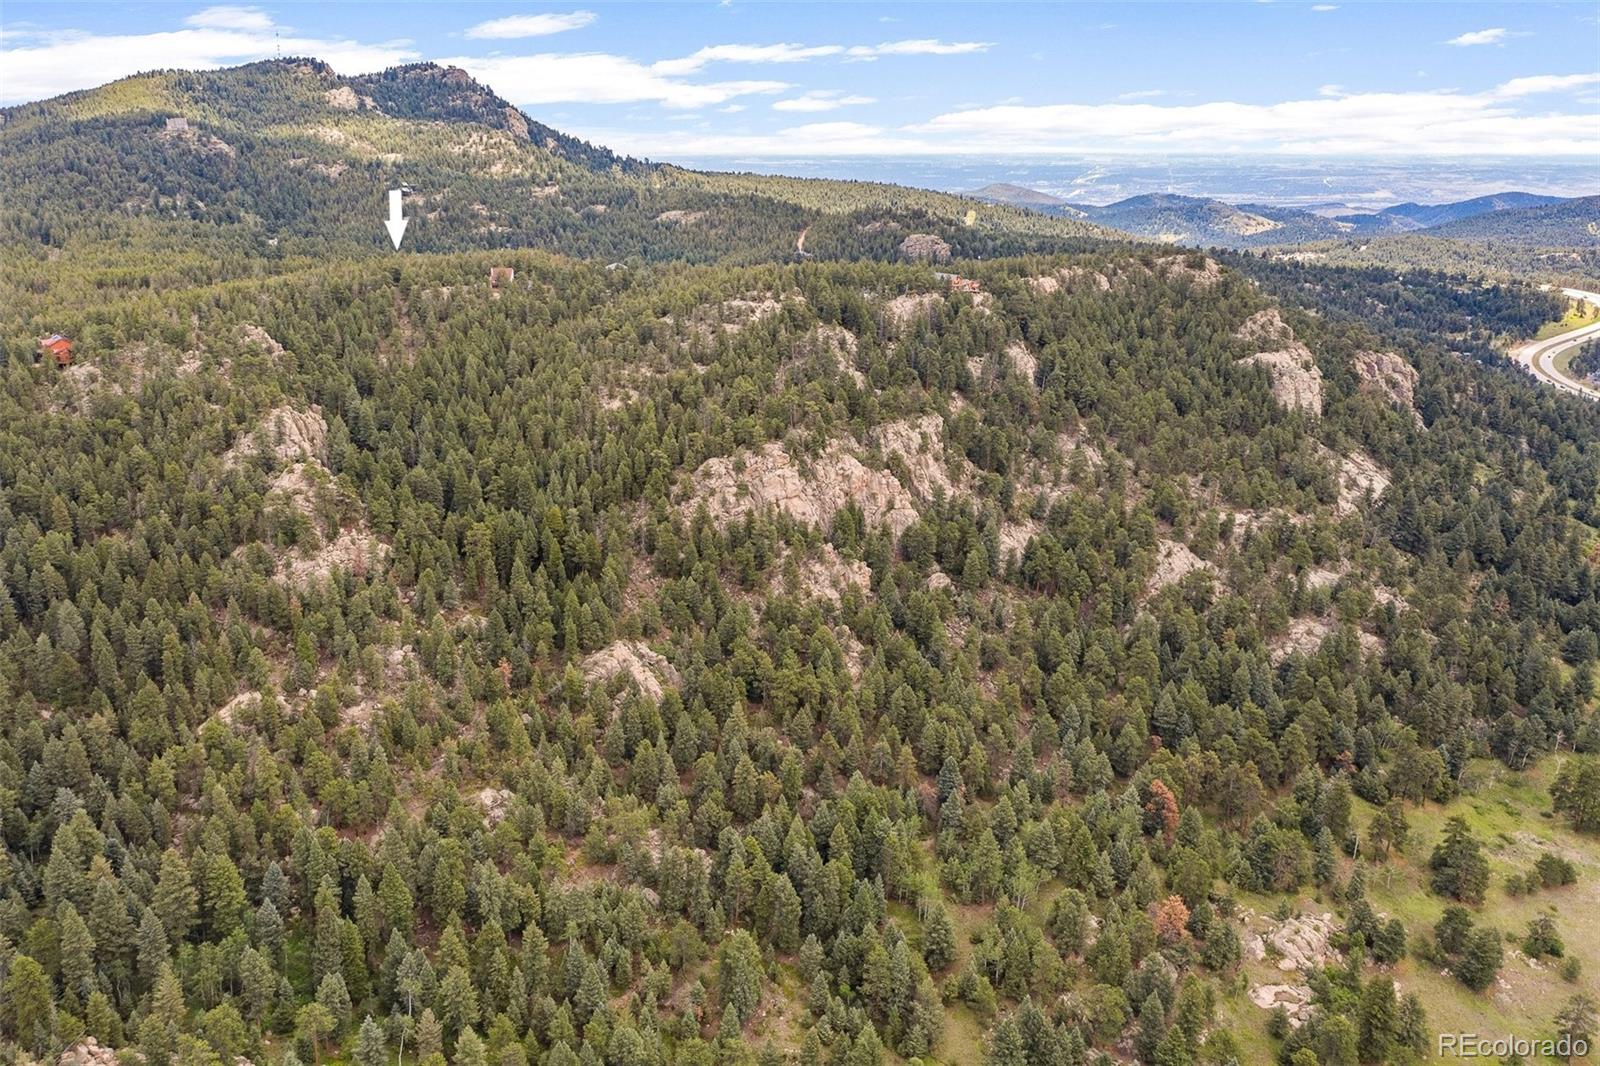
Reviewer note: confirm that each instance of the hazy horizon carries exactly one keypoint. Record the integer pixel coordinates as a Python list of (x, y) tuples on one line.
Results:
[(1279, 180)]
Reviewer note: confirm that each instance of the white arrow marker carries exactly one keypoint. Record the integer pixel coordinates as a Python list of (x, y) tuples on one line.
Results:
[(396, 225)]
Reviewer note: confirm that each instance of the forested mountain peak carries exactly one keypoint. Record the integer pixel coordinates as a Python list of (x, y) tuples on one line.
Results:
[(430, 91), (263, 163)]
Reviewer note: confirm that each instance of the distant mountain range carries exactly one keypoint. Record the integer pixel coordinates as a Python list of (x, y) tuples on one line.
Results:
[(1515, 217)]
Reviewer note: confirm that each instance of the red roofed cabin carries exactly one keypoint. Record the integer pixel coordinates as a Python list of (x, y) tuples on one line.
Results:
[(501, 275), (56, 347), (961, 284)]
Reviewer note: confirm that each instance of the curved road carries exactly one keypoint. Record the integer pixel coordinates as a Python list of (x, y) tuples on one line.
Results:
[(1540, 356)]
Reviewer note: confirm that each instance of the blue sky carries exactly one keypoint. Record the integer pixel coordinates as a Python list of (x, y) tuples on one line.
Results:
[(706, 79)]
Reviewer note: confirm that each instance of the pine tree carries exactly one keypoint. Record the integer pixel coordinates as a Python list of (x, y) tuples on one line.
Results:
[(175, 902), (938, 938), (740, 974), (27, 1011), (1459, 869), (1480, 959)]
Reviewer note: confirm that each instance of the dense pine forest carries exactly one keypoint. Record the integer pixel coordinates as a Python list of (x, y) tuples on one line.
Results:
[(684, 650)]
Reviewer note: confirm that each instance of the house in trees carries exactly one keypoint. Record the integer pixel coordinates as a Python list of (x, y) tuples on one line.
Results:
[(958, 283), (499, 276), (56, 347), (177, 125)]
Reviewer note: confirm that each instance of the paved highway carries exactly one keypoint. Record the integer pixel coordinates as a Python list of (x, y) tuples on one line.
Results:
[(1540, 356)]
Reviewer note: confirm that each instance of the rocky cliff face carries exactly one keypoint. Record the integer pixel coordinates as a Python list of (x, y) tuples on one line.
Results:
[(1296, 381)]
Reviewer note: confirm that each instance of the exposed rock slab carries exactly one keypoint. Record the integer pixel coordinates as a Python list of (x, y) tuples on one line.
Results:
[(904, 310), (1294, 999), (1360, 479), (496, 804), (633, 659), (353, 551), (1072, 279), (285, 435), (1296, 380), (920, 443), (825, 574), (1390, 376), (1174, 562), (733, 487), (925, 248), (1022, 361)]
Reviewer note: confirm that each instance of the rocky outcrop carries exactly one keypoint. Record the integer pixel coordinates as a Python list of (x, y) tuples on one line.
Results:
[(635, 660), (285, 435), (353, 551), (1265, 327), (733, 487), (1389, 376), (299, 438), (299, 487), (680, 218), (1015, 537), (1199, 270), (1361, 480), (827, 346), (1022, 361), (228, 714), (1296, 381), (920, 443), (1304, 942), (1174, 562), (496, 804), (1294, 999), (342, 99), (1072, 279), (87, 1052), (826, 575), (903, 311), (925, 248), (1305, 636)]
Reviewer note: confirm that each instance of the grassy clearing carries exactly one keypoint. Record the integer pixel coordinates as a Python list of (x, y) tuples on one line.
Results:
[(1510, 813), (1579, 315)]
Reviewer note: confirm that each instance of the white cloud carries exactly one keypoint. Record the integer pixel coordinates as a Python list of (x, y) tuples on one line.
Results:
[(1142, 94), (822, 100), (514, 26), (1476, 37), (59, 62), (746, 53), (229, 17), (598, 78), (922, 47), (1400, 123), (818, 138), (800, 53), (1543, 83), (1324, 7)]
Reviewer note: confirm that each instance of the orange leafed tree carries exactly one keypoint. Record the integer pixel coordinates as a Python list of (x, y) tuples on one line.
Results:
[(1172, 920), (1164, 805)]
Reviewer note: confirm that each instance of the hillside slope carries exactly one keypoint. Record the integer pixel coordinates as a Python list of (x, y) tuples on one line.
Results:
[(284, 158), (801, 659), (1564, 223)]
